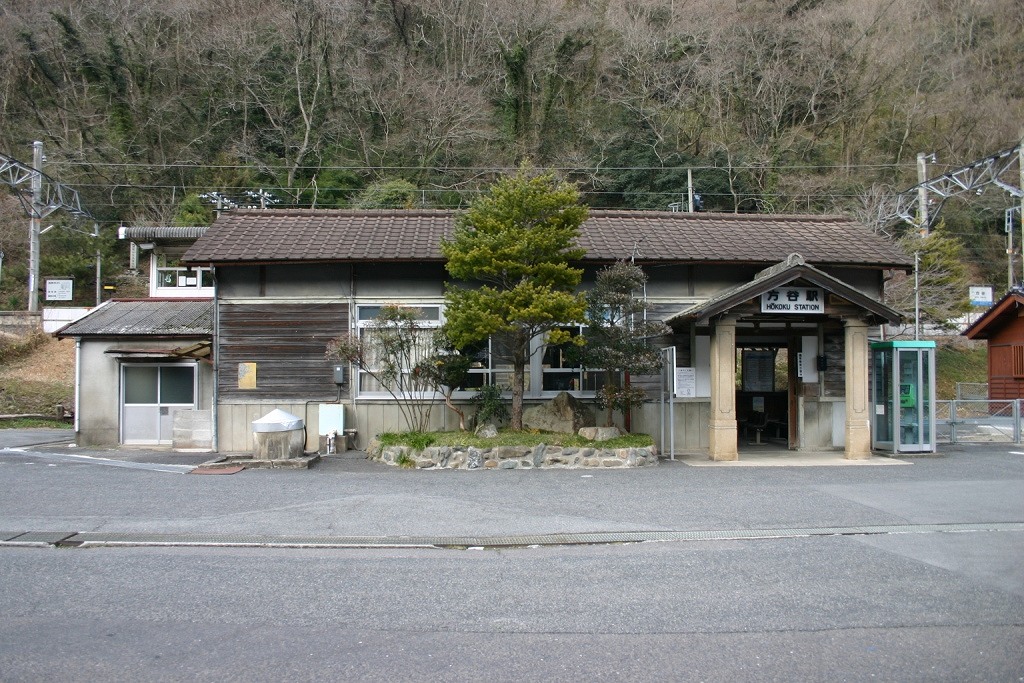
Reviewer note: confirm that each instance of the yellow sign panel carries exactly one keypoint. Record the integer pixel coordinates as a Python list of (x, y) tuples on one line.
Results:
[(246, 375)]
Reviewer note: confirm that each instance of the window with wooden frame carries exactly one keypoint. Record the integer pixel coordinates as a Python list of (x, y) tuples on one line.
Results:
[(1017, 360)]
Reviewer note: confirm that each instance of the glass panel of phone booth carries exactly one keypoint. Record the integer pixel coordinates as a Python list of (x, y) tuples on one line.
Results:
[(909, 363), (902, 384), (882, 385)]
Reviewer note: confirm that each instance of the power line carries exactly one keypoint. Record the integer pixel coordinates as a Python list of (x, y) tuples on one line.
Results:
[(486, 169)]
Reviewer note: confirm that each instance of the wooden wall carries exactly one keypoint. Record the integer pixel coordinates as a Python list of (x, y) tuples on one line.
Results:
[(286, 342), (1002, 385)]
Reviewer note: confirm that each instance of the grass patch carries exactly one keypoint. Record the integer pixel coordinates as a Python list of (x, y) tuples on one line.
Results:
[(528, 439), (20, 396), (958, 364), (34, 423), (19, 347)]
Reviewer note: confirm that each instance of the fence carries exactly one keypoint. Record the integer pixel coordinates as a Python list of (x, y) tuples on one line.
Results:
[(978, 421), (971, 391)]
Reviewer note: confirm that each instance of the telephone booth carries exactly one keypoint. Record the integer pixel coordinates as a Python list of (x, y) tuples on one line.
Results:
[(903, 396)]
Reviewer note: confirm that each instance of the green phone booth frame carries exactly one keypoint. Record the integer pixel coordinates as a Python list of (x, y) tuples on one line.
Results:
[(903, 396)]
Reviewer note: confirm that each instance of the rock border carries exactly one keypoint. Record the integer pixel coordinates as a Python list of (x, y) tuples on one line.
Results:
[(513, 457)]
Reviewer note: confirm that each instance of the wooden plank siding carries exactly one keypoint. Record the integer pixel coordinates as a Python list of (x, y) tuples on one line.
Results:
[(287, 342), (1003, 384)]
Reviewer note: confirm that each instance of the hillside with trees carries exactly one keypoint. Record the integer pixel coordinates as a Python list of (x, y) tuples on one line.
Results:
[(773, 105)]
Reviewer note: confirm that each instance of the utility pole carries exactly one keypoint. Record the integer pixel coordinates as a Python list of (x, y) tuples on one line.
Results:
[(917, 295), (689, 187), (35, 218), (45, 196), (922, 194), (1008, 229)]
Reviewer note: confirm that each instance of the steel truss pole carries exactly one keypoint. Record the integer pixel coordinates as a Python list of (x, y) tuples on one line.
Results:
[(44, 196), (974, 177)]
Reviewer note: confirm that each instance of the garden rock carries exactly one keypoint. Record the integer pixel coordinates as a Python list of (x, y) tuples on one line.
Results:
[(600, 433), (486, 431), (563, 413)]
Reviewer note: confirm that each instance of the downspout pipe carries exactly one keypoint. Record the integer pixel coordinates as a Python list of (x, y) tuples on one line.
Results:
[(214, 431), (78, 384)]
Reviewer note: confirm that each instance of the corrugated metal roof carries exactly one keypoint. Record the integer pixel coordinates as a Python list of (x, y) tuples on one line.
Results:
[(145, 317), (162, 232), (254, 236)]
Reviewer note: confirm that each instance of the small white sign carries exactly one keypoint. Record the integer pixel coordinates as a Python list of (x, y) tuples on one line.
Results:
[(793, 300), (686, 382), (60, 290), (980, 295)]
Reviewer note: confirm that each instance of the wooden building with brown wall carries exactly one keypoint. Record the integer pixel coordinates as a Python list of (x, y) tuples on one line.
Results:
[(1002, 326)]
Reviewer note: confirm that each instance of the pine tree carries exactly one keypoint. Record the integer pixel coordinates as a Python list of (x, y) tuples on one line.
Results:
[(618, 336), (513, 246)]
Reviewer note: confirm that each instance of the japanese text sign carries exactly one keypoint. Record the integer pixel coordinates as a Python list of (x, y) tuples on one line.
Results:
[(793, 300)]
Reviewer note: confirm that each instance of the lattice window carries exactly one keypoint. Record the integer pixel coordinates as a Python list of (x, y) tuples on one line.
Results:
[(1017, 355)]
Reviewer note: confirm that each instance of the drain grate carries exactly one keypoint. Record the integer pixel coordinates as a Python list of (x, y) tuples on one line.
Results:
[(113, 539), (40, 537)]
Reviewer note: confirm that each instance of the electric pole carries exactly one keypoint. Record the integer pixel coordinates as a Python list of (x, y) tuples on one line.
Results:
[(922, 194), (44, 196), (35, 217)]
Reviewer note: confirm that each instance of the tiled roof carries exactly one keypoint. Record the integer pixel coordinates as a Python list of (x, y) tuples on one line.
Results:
[(145, 317), (253, 236)]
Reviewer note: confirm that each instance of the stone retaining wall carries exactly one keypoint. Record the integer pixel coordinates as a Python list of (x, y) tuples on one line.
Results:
[(20, 323), (513, 457)]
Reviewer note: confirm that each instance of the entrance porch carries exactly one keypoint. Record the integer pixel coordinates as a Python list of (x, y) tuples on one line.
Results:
[(787, 363)]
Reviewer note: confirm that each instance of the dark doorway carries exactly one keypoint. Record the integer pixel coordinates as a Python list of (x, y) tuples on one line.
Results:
[(763, 396)]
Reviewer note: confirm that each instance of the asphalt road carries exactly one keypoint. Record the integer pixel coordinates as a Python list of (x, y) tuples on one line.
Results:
[(942, 599)]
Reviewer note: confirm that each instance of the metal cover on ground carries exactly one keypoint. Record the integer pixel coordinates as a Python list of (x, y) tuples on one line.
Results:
[(42, 537), (519, 540)]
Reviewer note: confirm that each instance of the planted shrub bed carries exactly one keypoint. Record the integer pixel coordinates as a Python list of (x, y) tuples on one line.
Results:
[(568, 451)]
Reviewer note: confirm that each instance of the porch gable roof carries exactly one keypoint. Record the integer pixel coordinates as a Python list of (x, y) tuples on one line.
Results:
[(794, 267), (994, 318)]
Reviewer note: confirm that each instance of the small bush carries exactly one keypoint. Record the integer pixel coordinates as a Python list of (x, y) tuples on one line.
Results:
[(490, 405), (512, 438), (414, 440)]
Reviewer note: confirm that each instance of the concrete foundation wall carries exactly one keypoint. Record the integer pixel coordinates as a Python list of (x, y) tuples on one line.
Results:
[(370, 418), (819, 423), (691, 420)]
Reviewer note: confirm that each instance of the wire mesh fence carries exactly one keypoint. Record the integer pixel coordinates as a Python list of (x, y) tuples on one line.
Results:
[(971, 391), (978, 421)]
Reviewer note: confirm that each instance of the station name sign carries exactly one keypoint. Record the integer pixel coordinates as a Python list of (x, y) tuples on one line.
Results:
[(793, 300)]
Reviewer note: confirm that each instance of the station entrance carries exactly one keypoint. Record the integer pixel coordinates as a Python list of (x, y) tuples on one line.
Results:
[(788, 363), (765, 408)]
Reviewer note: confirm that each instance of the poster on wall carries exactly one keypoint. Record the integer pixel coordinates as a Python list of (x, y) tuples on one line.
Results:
[(686, 382), (758, 370)]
